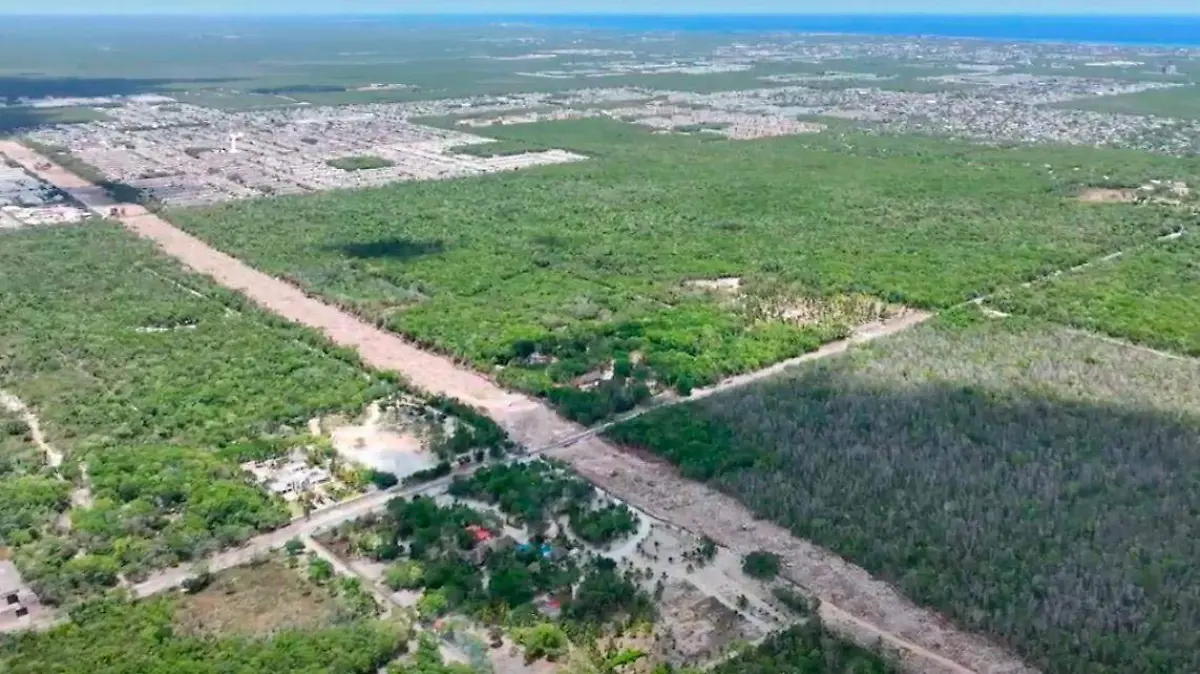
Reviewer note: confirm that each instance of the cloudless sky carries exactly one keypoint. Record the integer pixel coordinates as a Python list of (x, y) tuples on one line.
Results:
[(1144, 7)]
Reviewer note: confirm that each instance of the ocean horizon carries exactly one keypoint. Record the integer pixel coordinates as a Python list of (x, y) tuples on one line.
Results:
[(1180, 30)]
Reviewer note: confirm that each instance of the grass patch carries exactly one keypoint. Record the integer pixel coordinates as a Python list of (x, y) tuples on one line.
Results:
[(118, 636), (259, 600), (232, 100), (1150, 296), (1024, 481), (21, 118), (1179, 102), (360, 163), (499, 149)]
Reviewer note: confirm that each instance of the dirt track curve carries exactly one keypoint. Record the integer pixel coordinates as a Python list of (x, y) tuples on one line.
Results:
[(853, 602), (16, 406)]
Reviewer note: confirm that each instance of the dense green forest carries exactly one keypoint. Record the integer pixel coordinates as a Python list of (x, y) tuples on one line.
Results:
[(431, 548), (539, 492), (111, 342), (806, 649), (162, 383), (18, 454), (117, 637), (557, 272), (30, 495), (154, 506), (1023, 480), (1150, 296)]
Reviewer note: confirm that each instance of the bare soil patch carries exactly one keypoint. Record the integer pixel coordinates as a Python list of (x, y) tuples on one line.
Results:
[(383, 445), (257, 600), (1107, 195), (729, 284), (510, 659), (697, 627)]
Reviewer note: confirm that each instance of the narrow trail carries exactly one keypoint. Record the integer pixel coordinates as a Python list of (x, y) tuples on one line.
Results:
[(16, 406), (341, 568), (81, 495), (384, 597), (874, 610), (981, 300), (861, 335)]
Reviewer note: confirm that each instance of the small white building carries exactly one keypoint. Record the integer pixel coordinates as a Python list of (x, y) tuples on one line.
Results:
[(289, 477)]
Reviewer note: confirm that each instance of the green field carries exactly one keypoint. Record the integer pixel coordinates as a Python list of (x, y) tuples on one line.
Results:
[(1150, 296), (247, 63), (1023, 480), (586, 264), (1178, 102), (113, 636), (14, 119), (360, 163), (232, 101)]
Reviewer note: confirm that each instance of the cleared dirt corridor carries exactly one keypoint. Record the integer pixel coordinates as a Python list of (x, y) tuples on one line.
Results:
[(854, 603)]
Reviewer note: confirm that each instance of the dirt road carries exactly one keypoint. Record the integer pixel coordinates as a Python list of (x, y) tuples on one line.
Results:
[(301, 528), (14, 404), (873, 610)]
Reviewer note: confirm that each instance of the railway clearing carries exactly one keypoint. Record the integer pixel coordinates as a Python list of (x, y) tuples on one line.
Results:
[(356, 346), (866, 609), (534, 425)]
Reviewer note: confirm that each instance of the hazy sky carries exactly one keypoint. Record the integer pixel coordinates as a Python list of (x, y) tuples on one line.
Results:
[(565, 6)]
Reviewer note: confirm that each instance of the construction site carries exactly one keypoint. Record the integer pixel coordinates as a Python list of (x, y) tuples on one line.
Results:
[(180, 162), (26, 201)]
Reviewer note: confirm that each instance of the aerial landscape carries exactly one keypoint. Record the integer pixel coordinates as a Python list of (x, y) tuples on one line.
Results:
[(599, 343)]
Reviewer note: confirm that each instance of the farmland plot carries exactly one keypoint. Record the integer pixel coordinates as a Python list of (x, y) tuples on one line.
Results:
[(1023, 480)]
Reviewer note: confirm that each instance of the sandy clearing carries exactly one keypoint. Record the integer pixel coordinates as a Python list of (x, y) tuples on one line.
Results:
[(375, 443), (875, 608), (1106, 195)]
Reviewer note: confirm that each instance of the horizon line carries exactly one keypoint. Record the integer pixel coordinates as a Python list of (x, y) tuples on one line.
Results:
[(600, 12)]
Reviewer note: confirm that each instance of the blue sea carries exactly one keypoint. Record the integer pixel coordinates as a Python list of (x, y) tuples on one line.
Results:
[(1143, 30)]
